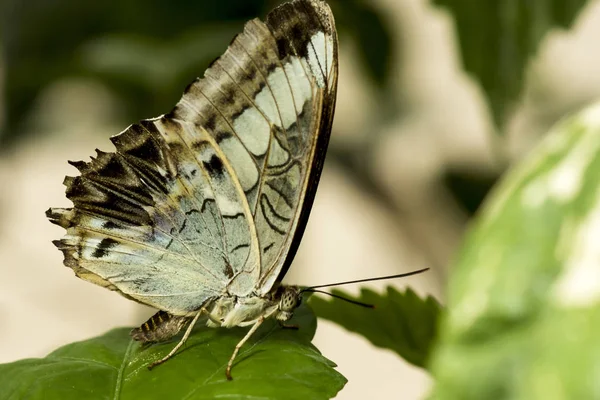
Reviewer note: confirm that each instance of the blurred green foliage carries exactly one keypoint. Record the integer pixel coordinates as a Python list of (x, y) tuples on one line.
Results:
[(497, 39), (522, 318), (146, 52), (48, 40)]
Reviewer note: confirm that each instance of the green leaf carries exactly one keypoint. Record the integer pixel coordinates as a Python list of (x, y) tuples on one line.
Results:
[(400, 321), (275, 363), (497, 38), (47, 43), (523, 301)]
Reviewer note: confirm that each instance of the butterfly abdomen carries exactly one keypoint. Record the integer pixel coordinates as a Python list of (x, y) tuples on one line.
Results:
[(160, 327)]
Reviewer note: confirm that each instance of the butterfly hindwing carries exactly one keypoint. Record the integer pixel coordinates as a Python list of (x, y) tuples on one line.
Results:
[(136, 221), (213, 196)]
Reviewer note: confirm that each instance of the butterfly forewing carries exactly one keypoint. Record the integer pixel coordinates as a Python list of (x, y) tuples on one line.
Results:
[(306, 34), (212, 197)]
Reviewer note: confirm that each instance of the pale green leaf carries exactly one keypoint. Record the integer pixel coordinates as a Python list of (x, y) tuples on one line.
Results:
[(524, 298)]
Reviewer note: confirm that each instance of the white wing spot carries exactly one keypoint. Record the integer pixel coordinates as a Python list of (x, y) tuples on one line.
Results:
[(299, 82), (280, 87), (242, 163), (254, 130), (265, 101), (320, 57)]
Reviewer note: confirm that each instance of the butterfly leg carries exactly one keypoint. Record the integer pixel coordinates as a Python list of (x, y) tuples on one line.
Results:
[(181, 342), (258, 322)]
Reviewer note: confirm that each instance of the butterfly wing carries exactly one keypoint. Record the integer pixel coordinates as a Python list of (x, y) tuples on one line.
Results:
[(208, 198), (305, 34), (159, 220), (271, 98)]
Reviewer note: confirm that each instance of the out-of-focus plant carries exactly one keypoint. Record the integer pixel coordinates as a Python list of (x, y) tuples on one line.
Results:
[(523, 301), (145, 52), (498, 38)]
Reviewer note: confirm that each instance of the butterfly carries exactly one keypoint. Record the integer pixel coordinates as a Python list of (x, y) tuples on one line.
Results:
[(200, 211)]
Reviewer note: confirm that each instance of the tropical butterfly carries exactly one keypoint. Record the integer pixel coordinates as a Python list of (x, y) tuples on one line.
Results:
[(200, 211)]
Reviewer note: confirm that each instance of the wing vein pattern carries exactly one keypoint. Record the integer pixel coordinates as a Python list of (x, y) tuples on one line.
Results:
[(212, 198)]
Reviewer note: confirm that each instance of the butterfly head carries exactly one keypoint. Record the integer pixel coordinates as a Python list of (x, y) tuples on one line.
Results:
[(290, 298)]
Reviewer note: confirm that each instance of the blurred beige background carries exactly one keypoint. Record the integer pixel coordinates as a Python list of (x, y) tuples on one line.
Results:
[(349, 236)]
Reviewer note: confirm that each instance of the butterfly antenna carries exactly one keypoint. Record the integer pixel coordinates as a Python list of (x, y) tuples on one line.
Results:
[(313, 289), (358, 303), (308, 289)]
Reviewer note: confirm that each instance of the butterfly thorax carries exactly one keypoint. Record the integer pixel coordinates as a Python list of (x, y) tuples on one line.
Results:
[(226, 311), (231, 311)]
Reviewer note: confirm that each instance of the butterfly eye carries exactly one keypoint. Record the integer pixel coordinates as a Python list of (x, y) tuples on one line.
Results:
[(289, 301)]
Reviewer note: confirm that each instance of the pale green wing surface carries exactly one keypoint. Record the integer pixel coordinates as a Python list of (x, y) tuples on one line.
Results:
[(209, 197), (268, 102), (158, 221)]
